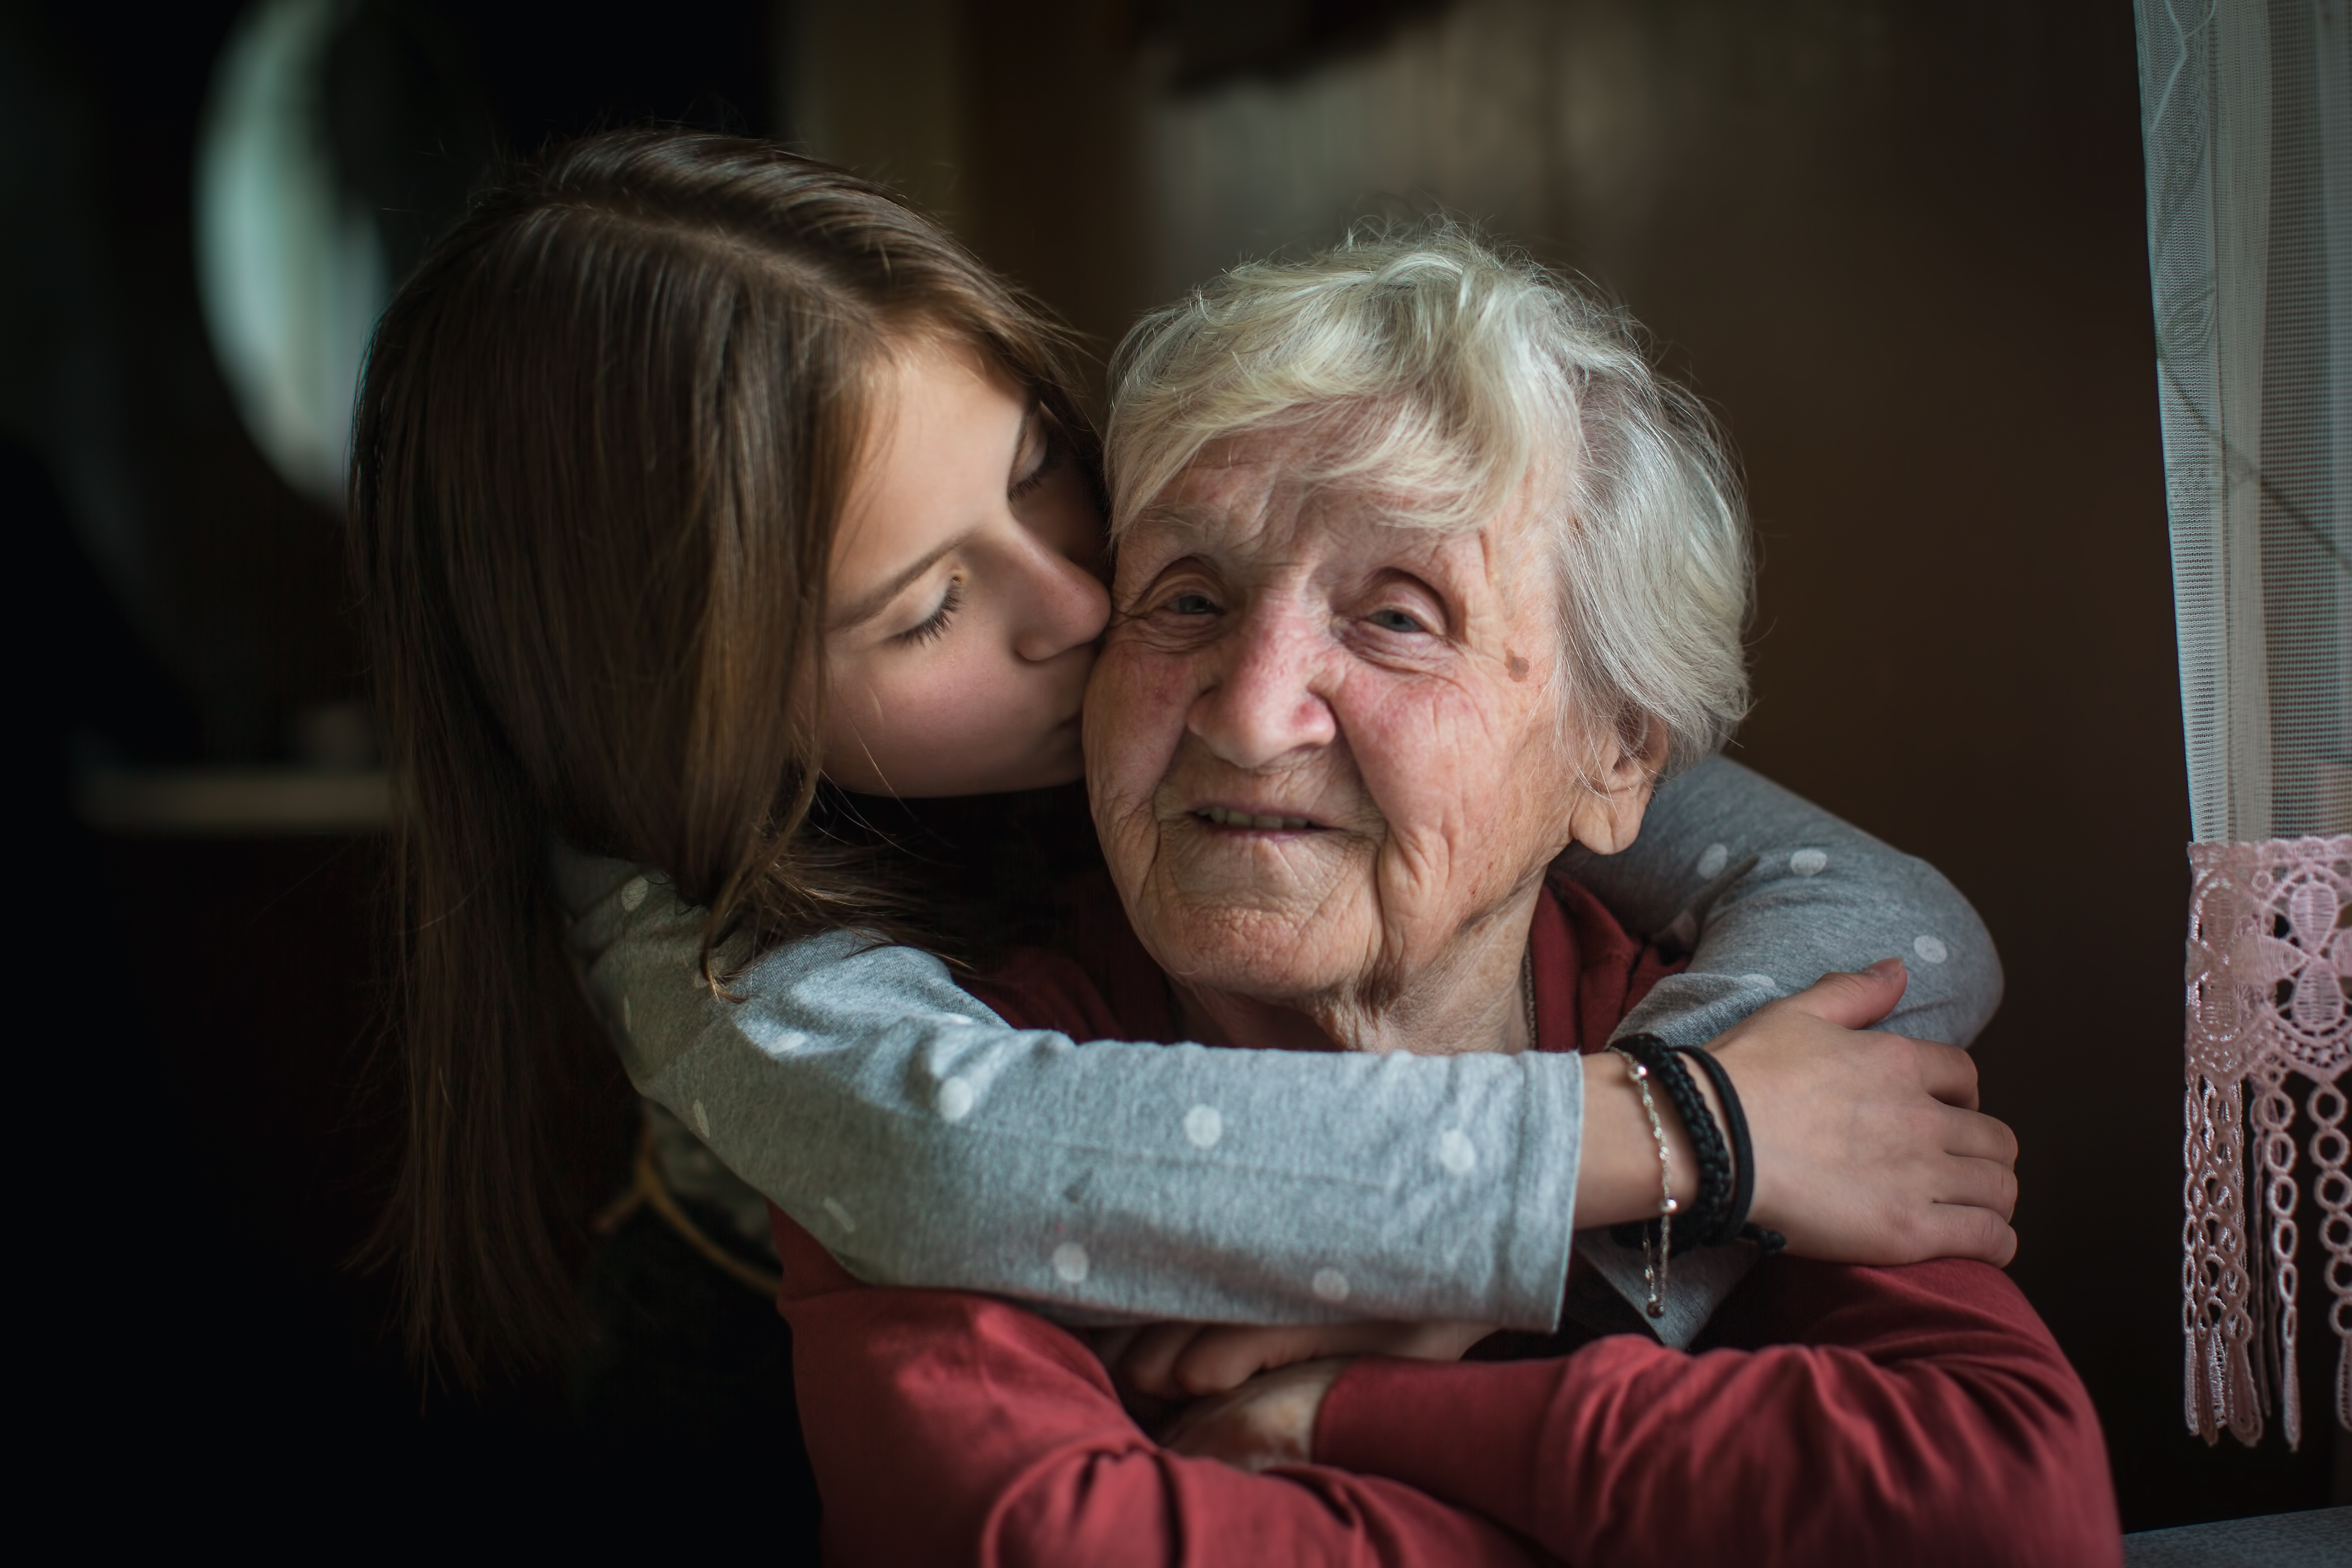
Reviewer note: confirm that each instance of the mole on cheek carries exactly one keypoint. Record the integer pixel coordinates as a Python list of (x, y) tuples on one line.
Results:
[(1515, 664)]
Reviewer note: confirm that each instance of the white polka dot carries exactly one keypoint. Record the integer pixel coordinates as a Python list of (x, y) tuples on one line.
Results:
[(841, 1215), (1204, 1126), (701, 1119), (633, 893), (787, 1040), (1070, 1263), (1712, 862), (953, 1019), (1766, 981), (1456, 1152), (954, 1101), (1930, 948), (1809, 862), (1330, 1285)]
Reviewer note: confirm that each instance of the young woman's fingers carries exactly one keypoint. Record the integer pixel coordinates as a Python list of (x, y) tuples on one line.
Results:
[(1947, 1072), (1973, 1135), (1964, 1230), (1979, 1183), (1854, 1001)]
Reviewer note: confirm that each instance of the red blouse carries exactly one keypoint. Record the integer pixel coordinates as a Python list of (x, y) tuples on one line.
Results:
[(1829, 1415)]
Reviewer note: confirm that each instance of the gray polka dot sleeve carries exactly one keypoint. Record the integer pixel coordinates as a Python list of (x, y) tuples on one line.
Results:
[(1768, 893), (926, 1143)]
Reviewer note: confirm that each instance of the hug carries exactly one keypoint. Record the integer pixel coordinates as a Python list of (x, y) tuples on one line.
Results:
[(1254, 1203)]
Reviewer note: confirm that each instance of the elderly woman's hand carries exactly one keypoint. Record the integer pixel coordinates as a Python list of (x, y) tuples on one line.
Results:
[(1869, 1147), (1187, 1361), (1269, 1420)]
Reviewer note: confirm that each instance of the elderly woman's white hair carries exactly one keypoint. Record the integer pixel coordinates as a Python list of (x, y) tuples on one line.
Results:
[(1445, 378)]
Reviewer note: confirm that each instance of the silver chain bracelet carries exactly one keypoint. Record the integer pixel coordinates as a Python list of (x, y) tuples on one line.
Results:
[(1654, 1254)]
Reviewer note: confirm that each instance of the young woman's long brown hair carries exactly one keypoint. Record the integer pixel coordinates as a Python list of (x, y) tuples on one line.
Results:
[(602, 440)]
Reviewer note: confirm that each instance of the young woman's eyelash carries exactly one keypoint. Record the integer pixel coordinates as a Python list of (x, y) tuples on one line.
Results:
[(936, 626), (1036, 476)]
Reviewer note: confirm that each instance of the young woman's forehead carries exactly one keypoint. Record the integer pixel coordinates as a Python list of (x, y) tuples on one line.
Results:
[(944, 426)]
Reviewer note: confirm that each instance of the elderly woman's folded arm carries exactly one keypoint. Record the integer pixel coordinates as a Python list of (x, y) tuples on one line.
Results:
[(947, 1428), (1927, 1417)]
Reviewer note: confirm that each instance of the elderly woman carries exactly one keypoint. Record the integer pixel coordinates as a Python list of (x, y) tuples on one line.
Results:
[(1403, 534)]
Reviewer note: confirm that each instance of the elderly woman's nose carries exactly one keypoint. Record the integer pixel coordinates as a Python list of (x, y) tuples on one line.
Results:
[(1262, 703), (1063, 605)]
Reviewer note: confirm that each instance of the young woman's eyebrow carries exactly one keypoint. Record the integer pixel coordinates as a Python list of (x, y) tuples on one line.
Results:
[(872, 604)]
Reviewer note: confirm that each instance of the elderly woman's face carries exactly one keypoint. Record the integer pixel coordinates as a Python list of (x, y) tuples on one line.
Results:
[(1321, 748)]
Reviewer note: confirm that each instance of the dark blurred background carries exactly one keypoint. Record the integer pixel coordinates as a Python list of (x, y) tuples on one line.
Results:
[(1899, 248)]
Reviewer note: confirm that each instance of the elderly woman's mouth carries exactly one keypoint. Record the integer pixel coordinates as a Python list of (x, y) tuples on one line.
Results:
[(1256, 821)]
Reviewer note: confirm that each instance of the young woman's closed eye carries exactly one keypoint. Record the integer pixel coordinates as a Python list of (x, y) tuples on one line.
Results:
[(965, 600)]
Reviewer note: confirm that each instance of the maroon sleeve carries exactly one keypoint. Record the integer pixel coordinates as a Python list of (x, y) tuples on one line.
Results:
[(1928, 1417), (947, 1428)]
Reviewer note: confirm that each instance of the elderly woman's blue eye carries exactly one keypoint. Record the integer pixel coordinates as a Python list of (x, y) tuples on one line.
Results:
[(1396, 621), (1193, 605)]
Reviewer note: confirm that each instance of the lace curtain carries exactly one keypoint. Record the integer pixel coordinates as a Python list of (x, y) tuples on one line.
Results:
[(2246, 111)]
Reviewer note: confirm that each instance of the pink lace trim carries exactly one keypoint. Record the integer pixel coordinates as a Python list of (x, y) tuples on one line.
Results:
[(2270, 995)]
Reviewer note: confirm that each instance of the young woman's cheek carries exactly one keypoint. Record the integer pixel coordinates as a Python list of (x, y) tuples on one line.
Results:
[(882, 705), (953, 726)]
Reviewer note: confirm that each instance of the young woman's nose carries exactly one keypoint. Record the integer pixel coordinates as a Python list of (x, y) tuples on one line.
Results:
[(1260, 704), (1064, 606)]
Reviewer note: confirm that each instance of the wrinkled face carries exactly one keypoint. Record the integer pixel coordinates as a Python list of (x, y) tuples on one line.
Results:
[(1323, 749), (964, 604)]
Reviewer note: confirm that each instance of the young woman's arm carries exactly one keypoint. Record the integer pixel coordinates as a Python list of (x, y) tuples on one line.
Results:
[(1768, 892), (926, 1144)]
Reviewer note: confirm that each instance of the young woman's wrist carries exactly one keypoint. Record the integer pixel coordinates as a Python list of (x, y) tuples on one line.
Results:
[(1617, 1180)]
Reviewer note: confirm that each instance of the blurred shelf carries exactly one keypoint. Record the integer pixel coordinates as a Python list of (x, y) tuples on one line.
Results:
[(232, 803)]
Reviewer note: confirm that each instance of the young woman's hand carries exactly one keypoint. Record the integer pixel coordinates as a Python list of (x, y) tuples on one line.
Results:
[(1869, 1147), (1189, 1361), (1269, 1420)]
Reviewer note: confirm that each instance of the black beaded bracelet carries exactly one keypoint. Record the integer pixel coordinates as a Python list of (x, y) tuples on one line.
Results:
[(1735, 1224), (1704, 1223)]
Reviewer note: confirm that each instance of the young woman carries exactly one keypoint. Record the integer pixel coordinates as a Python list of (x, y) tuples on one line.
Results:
[(704, 497)]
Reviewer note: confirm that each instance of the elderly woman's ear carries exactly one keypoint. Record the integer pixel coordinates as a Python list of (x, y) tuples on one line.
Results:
[(1621, 771)]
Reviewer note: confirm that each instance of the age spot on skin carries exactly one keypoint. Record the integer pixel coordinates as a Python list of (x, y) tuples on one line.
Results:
[(1515, 664)]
